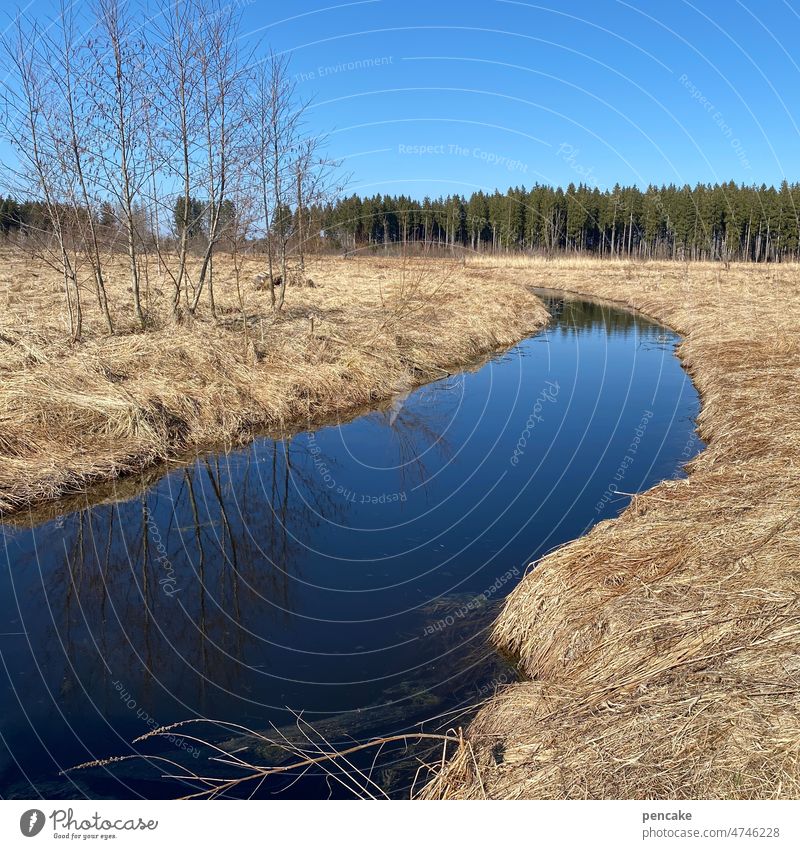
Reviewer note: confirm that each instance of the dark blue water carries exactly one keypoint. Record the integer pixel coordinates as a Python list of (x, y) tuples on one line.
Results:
[(349, 573)]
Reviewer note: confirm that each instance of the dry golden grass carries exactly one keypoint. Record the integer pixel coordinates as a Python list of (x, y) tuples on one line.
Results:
[(74, 414), (663, 648)]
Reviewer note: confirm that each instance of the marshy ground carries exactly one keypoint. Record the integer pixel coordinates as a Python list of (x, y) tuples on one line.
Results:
[(663, 648)]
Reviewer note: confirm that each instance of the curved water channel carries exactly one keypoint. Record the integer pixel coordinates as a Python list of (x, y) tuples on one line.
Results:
[(348, 573)]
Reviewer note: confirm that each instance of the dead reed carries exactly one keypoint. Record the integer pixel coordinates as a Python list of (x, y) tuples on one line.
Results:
[(291, 752), (71, 414)]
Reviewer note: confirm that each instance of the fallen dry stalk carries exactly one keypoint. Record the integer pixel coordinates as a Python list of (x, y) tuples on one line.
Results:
[(312, 750), (663, 648)]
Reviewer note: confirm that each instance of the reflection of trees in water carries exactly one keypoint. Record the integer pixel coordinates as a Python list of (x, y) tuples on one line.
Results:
[(175, 585), (574, 315), (416, 427), (412, 428), (161, 592)]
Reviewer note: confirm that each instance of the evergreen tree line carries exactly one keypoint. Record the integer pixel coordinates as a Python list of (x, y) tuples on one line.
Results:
[(723, 222), (19, 217), (194, 216)]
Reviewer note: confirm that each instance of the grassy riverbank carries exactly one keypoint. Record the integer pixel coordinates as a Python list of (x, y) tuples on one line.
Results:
[(663, 648), (71, 414)]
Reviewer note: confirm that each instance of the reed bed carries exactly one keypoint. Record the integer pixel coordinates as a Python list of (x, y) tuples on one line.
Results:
[(663, 648), (363, 330)]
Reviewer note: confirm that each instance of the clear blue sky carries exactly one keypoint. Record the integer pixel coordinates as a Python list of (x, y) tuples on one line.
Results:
[(510, 93)]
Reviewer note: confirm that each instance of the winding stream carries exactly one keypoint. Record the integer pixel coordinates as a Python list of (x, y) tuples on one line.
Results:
[(349, 573)]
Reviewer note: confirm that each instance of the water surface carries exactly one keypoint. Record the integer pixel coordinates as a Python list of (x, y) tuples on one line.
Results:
[(348, 573)]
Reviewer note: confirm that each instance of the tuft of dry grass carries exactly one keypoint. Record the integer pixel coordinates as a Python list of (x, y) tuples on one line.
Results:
[(71, 415), (663, 648)]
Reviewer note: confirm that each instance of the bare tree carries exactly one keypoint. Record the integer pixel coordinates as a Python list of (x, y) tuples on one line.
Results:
[(291, 170), (259, 106), (182, 46), (119, 92), (31, 121), (241, 228), (224, 118), (317, 179), (154, 138), (78, 159), (283, 116)]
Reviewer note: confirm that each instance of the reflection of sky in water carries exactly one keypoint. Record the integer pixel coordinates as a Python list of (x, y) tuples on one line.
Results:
[(318, 573)]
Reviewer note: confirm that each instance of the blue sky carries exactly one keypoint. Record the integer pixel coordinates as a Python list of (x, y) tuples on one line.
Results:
[(426, 97)]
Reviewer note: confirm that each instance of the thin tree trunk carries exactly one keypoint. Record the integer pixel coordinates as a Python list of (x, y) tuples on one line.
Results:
[(94, 253), (300, 217)]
